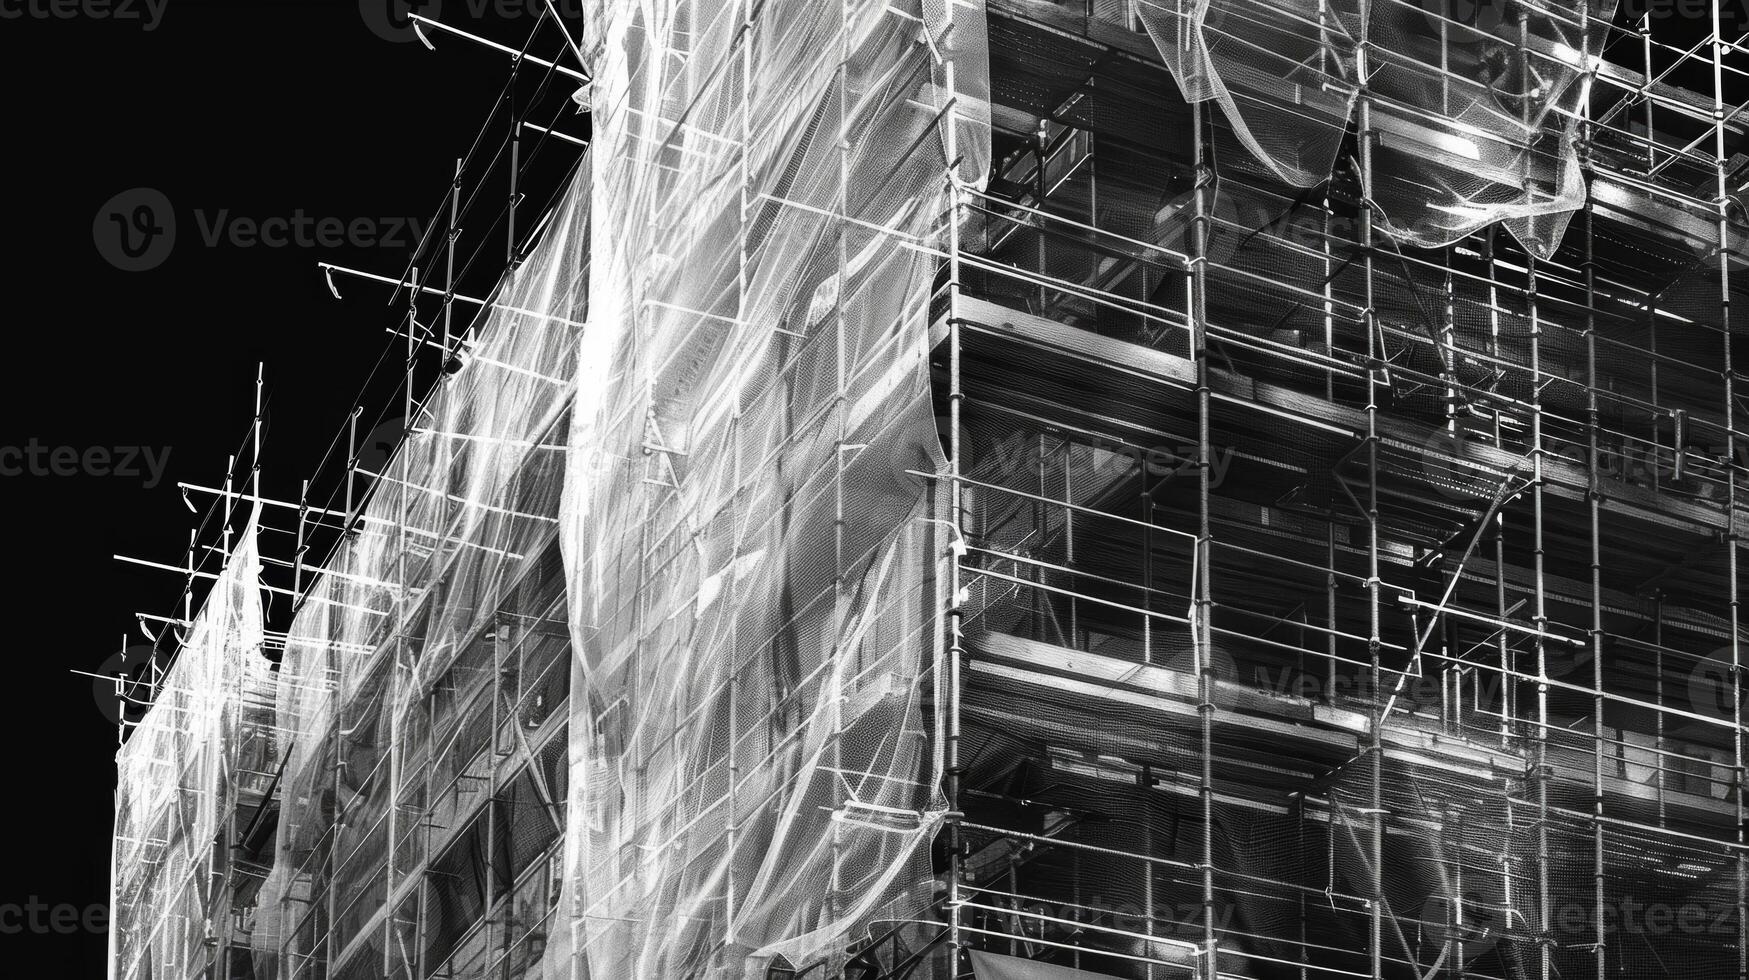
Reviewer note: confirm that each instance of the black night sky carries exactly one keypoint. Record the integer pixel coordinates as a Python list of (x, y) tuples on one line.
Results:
[(278, 133)]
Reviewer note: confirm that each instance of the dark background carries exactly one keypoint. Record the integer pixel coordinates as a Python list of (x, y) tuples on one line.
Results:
[(258, 108)]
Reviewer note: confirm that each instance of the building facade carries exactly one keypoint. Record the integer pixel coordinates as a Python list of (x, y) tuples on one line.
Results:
[(1002, 488)]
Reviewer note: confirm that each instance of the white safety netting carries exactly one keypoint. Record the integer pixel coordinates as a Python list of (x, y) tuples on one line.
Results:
[(752, 558), (206, 744), (406, 685), (1475, 106)]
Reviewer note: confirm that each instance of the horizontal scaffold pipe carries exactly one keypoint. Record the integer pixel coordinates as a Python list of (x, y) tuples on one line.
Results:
[(503, 48)]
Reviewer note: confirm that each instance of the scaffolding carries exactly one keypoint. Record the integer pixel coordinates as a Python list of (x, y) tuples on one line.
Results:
[(1020, 489)]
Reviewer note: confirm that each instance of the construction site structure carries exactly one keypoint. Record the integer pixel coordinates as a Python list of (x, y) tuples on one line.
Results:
[(1014, 489)]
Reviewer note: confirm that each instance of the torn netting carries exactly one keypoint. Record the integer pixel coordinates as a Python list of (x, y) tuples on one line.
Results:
[(1475, 116)]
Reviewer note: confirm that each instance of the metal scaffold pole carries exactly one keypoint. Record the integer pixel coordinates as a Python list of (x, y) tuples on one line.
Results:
[(1508, 662), (956, 516), (1376, 358), (841, 437), (514, 197), (1540, 619), (352, 469), (743, 128), (300, 546), (1594, 507), (449, 249), (1204, 177), (228, 503), (1721, 160)]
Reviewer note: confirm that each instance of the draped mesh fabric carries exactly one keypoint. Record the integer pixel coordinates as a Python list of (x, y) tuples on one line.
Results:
[(751, 544)]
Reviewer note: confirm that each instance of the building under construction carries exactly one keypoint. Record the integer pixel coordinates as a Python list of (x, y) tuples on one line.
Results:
[(1003, 488)]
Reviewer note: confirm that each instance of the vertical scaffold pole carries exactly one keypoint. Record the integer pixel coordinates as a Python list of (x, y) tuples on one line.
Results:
[(1594, 500), (1448, 361), (1329, 297), (1329, 290), (187, 603), (449, 284), (955, 614), (1457, 881), (255, 433), (1331, 651), (743, 41), (1648, 73), (841, 441), (1204, 176), (408, 423), (112, 941), (399, 645), (1540, 618), (515, 165), (1502, 649), (230, 504), (351, 469), (298, 548), (1545, 924), (1658, 716), (1720, 159), (1646, 66), (1375, 358)]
